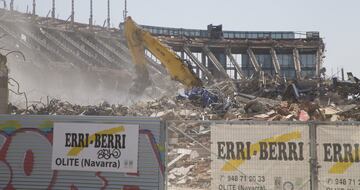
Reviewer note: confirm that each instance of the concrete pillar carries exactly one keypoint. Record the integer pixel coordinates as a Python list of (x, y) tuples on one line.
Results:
[(297, 63), (253, 60), (319, 61), (203, 61), (4, 91), (236, 65), (215, 66), (201, 66), (275, 61)]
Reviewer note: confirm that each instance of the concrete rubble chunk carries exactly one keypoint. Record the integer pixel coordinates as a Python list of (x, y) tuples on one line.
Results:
[(254, 107), (304, 116), (335, 118), (330, 110), (182, 171)]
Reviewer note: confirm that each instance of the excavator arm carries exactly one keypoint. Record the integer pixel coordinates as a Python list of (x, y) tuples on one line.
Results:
[(139, 39)]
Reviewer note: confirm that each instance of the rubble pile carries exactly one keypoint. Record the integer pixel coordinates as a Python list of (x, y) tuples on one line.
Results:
[(57, 107), (189, 155), (174, 109)]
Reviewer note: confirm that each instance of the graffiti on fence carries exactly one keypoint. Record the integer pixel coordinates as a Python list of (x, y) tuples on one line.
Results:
[(25, 155)]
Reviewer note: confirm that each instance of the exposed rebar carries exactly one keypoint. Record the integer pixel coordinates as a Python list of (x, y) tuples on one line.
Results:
[(17, 92)]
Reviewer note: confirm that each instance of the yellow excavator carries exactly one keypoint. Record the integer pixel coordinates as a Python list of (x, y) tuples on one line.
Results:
[(138, 39)]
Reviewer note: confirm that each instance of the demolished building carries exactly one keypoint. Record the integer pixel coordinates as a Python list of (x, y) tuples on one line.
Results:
[(68, 48), (239, 54), (98, 56)]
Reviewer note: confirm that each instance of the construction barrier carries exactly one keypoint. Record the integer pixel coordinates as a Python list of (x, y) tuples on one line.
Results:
[(77, 152), (338, 157), (81, 152), (253, 155), (249, 156)]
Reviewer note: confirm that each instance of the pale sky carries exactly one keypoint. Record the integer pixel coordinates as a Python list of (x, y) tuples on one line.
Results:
[(337, 21)]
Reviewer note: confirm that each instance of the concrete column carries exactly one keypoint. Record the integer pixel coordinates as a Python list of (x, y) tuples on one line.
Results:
[(203, 61), (4, 91), (297, 64), (236, 65), (319, 61), (275, 61), (253, 60), (202, 67), (220, 70)]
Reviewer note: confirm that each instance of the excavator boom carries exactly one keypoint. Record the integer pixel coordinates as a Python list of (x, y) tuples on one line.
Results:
[(139, 39)]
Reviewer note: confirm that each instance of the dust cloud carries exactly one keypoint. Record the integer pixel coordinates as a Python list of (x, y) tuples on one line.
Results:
[(79, 86), (42, 76)]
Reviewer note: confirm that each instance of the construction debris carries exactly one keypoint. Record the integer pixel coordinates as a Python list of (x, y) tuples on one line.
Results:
[(217, 102), (189, 137)]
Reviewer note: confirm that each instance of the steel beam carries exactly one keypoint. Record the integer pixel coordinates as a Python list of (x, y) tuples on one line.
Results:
[(297, 64), (253, 60), (275, 62), (235, 63), (215, 61), (198, 63)]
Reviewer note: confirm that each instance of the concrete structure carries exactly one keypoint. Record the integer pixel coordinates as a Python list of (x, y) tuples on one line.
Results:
[(285, 54), (234, 54)]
